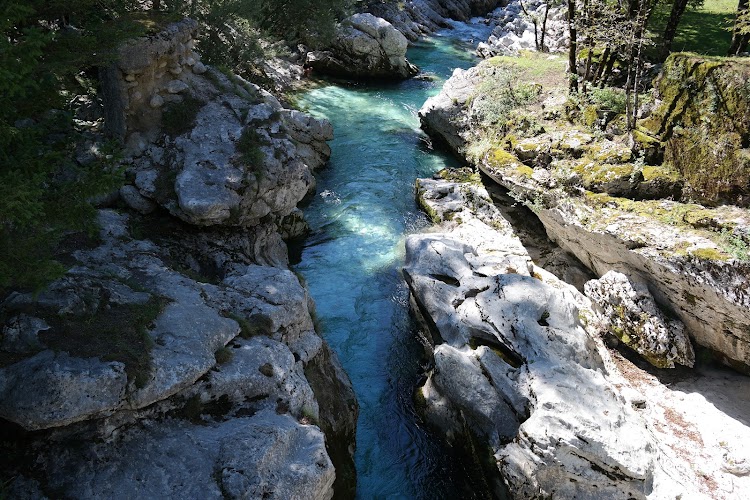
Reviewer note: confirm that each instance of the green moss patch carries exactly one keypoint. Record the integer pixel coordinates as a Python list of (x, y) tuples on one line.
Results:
[(704, 123), (114, 333), (179, 117)]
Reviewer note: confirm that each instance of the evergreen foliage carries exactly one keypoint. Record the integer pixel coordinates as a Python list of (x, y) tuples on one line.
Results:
[(47, 52), (44, 194)]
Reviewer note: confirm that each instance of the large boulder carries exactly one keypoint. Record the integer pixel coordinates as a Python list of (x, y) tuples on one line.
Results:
[(628, 311), (515, 368), (365, 46)]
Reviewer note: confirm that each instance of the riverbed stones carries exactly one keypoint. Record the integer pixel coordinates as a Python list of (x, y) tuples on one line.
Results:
[(514, 30), (365, 46)]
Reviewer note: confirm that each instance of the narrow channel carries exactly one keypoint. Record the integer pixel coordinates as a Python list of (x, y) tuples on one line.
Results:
[(352, 263)]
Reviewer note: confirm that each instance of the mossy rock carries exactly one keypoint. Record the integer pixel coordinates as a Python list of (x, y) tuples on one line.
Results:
[(650, 147), (616, 180), (659, 182), (704, 124), (502, 159)]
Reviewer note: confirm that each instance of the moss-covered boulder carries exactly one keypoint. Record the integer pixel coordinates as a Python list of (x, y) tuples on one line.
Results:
[(703, 123)]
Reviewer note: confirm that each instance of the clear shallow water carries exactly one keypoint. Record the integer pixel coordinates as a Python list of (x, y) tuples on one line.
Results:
[(352, 263)]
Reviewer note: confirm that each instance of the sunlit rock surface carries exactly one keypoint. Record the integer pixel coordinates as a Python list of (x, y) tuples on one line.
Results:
[(365, 46), (690, 272), (515, 367), (628, 311)]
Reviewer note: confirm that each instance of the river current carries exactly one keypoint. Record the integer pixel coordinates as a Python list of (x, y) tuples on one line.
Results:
[(352, 263)]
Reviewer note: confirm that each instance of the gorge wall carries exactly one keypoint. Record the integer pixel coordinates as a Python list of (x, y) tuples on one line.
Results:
[(178, 355)]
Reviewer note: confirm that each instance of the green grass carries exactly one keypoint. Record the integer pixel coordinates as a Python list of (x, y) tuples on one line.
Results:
[(703, 31), (119, 333), (179, 117)]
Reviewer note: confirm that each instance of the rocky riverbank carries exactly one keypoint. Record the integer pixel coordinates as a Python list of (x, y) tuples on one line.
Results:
[(372, 44), (178, 355), (601, 200), (519, 369), (673, 278)]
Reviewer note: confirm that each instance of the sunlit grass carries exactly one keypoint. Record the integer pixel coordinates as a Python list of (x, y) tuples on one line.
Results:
[(703, 31)]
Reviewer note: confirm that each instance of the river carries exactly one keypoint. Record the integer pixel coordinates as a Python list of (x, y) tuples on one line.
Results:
[(352, 264)]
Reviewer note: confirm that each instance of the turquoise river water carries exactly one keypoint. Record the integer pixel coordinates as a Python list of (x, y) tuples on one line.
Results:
[(352, 263)]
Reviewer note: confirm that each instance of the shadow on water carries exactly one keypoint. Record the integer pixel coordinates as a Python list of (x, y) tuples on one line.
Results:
[(352, 263)]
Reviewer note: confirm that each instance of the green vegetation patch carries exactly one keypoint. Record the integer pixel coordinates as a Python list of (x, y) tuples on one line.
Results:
[(501, 91), (702, 221), (462, 175), (704, 123), (116, 333), (179, 117), (702, 30), (249, 145)]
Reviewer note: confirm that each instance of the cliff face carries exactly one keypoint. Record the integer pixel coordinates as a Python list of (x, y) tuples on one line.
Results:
[(672, 275), (703, 125), (582, 189), (179, 349)]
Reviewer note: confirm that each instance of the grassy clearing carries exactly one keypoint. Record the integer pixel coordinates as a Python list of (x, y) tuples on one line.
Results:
[(544, 69), (703, 31)]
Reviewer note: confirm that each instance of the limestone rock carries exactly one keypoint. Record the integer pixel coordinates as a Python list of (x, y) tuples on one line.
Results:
[(365, 46), (629, 312), (689, 271), (513, 30), (261, 369), (20, 335), (133, 198), (242, 161), (52, 390), (266, 455), (513, 363), (443, 115), (176, 86)]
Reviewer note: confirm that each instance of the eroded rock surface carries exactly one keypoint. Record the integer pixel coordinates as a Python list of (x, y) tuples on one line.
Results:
[(691, 257), (173, 356), (628, 311), (515, 368)]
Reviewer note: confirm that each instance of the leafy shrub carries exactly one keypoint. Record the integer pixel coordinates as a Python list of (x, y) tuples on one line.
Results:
[(608, 99), (499, 93), (249, 145), (179, 117)]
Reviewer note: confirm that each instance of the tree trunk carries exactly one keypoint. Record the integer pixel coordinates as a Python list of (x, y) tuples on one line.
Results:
[(156, 5), (678, 8), (608, 69), (572, 49), (739, 41), (602, 63), (544, 27)]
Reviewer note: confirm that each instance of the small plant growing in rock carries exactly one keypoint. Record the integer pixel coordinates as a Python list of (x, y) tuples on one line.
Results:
[(179, 117), (223, 355), (249, 145)]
